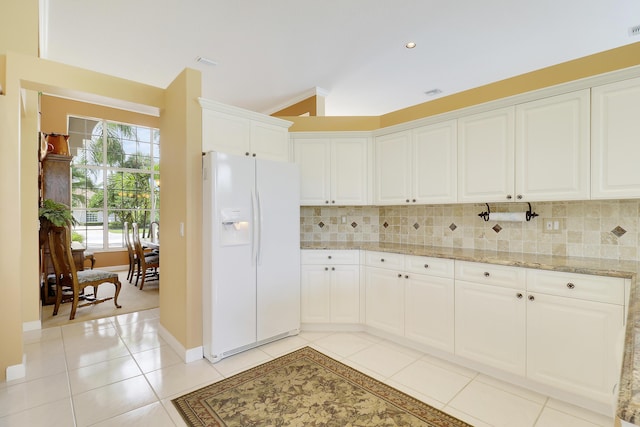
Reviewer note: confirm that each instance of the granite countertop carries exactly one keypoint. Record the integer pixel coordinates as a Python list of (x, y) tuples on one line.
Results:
[(629, 394)]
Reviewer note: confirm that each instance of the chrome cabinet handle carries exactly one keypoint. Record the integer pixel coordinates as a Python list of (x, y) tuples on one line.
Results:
[(531, 298), (570, 285), (406, 276), (519, 196), (326, 202), (246, 154), (333, 269), (414, 200), (333, 201), (326, 269), (426, 266), (486, 274), (329, 257), (519, 295), (509, 197), (381, 259), (407, 200), (254, 154), (399, 275)]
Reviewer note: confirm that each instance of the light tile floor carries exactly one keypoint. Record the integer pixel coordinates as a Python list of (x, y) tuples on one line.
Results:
[(119, 372)]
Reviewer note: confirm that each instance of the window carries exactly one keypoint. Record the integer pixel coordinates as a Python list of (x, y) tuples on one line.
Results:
[(115, 177)]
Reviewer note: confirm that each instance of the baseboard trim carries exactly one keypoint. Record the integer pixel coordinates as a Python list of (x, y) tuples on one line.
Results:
[(16, 372), (187, 355), (34, 325)]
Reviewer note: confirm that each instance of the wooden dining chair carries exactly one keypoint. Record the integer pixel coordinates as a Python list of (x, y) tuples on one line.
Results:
[(68, 278), (131, 252), (148, 263)]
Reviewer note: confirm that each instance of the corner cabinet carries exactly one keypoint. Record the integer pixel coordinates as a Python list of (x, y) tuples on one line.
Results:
[(535, 151), (416, 166), (333, 170), (242, 132), (615, 148), (330, 286)]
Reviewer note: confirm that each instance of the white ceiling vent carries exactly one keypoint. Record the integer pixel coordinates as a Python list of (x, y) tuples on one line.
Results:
[(634, 31)]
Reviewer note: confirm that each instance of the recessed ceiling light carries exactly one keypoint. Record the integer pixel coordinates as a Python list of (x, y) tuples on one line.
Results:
[(205, 61), (410, 45), (433, 92)]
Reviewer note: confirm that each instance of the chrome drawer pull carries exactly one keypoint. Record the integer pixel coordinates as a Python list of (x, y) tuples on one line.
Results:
[(570, 285), (486, 274)]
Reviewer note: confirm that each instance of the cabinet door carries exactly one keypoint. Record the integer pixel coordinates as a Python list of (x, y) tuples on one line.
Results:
[(349, 171), (385, 300), (486, 156), (571, 344), (315, 304), (429, 313), (434, 163), (392, 174), (490, 325), (314, 157), (269, 142), (552, 148), (345, 294), (225, 133), (615, 152)]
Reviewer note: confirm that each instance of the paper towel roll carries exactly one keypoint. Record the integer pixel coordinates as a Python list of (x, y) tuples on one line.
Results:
[(508, 216)]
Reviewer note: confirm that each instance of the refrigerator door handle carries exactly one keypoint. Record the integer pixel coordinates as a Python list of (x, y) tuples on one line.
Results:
[(258, 227), (255, 240)]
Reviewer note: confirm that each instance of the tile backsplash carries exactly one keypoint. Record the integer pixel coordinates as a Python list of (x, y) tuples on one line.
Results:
[(599, 229)]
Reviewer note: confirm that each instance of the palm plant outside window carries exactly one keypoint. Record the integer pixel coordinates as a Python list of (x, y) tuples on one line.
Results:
[(115, 177)]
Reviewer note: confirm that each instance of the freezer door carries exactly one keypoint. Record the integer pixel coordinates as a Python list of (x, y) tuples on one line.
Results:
[(278, 254), (232, 293)]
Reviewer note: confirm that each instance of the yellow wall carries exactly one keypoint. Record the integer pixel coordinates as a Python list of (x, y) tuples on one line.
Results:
[(19, 28), (181, 166), (55, 112)]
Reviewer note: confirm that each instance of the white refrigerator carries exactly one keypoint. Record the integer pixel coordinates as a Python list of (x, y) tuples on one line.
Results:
[(251, 252)]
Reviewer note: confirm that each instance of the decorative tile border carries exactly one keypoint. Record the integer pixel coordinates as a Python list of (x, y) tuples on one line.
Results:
[(594, 229)]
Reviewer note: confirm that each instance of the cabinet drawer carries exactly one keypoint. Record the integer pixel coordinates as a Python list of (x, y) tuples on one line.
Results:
[(580, 286), (384, 260), (497, 275), (439, 267), (326, 256)]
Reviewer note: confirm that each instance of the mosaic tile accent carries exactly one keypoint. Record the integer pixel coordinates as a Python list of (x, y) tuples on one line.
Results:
[(416, 225), (496, 228), (354, 224), (321, 224), (452, 226), (619, 231)]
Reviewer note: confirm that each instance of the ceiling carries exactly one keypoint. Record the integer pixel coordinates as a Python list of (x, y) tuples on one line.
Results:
[(272, 53)]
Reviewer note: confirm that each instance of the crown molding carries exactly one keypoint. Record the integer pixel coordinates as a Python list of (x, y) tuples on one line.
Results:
[(315, 91), (241, 112)]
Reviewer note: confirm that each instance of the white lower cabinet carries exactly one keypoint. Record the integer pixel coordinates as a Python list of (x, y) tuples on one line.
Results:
[(330, 287), (490, 325), (385, 300), (556, 329), (574, 342), (429, 314)]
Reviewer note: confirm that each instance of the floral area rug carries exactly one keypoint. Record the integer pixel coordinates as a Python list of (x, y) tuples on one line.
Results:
[(306, 388)]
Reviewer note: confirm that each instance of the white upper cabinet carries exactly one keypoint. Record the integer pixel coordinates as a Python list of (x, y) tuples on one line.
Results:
[(552, 148), (434, 163), (233, 130), (486, 156), (416, 166), (333, 171), (615, 140), (534, 151), (392, 172)]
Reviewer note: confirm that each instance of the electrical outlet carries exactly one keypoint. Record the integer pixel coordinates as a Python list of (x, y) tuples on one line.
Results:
[(552, 225)]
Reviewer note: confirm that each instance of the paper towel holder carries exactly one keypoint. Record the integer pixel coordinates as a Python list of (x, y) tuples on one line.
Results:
[(529, 214)]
